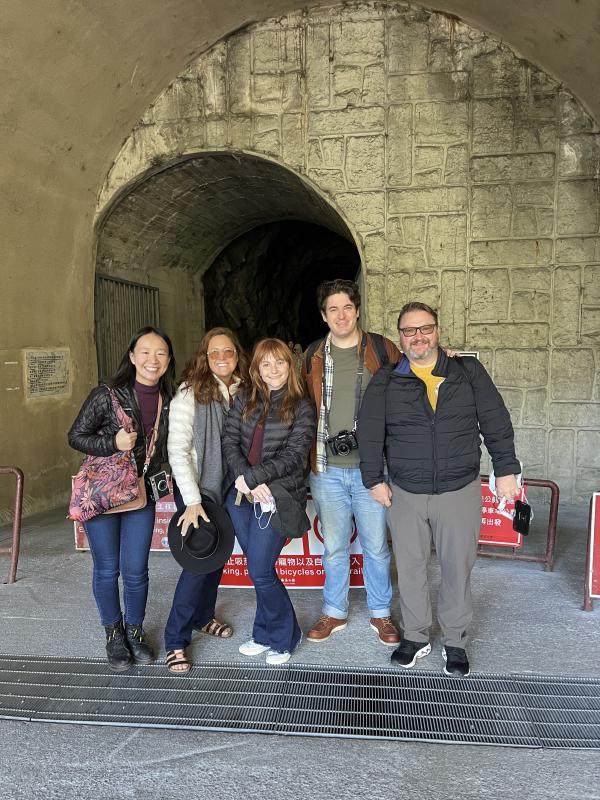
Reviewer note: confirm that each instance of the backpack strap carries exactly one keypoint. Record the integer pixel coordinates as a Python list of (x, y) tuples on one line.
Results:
[(379, 345), (310, 351)]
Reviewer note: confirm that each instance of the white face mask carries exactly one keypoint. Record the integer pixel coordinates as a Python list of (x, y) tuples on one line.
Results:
[(265, 508)]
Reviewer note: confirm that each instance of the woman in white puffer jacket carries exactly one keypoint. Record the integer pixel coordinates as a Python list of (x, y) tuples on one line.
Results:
[(196, 417)]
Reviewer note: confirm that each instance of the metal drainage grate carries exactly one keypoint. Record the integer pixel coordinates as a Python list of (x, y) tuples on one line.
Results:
[(302, 700)]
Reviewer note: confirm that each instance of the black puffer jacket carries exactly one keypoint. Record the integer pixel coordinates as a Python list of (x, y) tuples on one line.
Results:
[(427, 452), (285, 447), (96, 426)]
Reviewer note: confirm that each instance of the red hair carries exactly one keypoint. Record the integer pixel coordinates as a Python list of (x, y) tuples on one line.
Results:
[(259, 391)]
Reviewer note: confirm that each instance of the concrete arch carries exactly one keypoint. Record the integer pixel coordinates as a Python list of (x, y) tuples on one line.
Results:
[(467, 173), (217, 164), (75, 82), (169, 225)]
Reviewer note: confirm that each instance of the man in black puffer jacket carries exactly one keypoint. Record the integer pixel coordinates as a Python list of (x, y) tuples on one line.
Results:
[(426, 415)]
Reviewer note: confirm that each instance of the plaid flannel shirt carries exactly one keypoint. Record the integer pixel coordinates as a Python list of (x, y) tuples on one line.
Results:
[(322, 432)]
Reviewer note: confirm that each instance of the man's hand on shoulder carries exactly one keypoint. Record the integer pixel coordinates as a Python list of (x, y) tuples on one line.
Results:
[(382, 494), (507, 487)]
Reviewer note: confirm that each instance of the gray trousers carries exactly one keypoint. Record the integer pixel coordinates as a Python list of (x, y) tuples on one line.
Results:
[(454, 520)]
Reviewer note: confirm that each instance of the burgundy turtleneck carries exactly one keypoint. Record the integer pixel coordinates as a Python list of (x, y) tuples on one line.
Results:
[(147, 397)]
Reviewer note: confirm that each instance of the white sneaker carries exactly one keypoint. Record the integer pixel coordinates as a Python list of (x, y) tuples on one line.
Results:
[(252, 648), (275, 657)]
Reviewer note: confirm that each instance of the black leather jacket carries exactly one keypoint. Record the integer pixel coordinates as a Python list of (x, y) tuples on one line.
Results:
[(285, 447), (96, 426)]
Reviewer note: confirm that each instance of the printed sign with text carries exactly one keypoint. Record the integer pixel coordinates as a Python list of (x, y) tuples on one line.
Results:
[(300, 564), (496, 526)]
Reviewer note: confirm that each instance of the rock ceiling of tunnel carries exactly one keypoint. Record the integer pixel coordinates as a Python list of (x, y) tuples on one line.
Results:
[(183, 216)]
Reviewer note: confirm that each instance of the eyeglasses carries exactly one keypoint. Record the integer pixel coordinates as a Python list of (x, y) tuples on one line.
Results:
[(426, 329), (227, 353)]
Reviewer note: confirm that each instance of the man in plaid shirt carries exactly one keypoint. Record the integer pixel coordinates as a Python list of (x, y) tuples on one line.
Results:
[(337, 371)]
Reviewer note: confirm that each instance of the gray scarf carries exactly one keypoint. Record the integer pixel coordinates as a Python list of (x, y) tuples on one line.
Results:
[(208, 427)]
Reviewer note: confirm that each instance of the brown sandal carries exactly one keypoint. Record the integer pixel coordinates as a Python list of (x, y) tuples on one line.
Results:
[(216, 628), (178, 664)]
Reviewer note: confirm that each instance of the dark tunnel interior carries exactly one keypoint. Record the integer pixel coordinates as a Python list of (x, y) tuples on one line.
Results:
[(264, 282)]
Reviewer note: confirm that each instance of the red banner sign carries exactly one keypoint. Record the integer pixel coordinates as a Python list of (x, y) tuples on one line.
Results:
[(496, 526), (594, 545), (299, 566)]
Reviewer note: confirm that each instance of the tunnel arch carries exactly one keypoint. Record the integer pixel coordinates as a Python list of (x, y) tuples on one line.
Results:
[(466, 174), (174, 222)]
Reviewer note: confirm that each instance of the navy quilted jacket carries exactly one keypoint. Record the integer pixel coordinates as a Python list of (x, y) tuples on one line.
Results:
[(431, 452)]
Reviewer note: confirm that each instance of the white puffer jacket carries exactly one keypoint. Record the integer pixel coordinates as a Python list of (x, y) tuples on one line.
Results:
[(183, 456)]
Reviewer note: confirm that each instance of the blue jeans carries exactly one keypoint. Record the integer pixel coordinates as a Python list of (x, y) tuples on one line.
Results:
[(194, 600), (120, 545), (275, 623), (339, 493)]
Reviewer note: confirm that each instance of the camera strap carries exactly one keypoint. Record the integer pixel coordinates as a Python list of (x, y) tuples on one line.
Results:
[(357, 387), (152, 440)]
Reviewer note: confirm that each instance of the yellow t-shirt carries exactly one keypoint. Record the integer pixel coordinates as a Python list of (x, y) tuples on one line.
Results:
[(432, 382)]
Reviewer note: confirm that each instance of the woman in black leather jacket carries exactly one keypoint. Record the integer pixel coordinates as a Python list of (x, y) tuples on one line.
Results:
[(120, 543), (266, 440)]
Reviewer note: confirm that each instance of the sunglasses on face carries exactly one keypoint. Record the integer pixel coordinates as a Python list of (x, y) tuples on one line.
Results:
[(226, 353)]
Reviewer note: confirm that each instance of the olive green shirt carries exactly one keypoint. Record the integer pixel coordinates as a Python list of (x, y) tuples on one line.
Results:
[(341, 413)]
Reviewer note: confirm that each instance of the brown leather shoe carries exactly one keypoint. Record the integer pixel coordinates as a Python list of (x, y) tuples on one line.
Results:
[(388, 632), (324, 627)]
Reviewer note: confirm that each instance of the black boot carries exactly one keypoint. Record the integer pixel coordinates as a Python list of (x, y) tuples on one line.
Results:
[(117, 651), (140, 649)]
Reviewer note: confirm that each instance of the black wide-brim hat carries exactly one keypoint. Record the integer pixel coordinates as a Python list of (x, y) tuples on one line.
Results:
[(206, 548)]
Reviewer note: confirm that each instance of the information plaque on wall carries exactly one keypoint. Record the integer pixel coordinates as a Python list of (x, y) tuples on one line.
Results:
[(47, 373)]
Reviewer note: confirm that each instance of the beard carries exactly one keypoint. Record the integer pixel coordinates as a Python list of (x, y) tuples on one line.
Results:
[(422, 356)]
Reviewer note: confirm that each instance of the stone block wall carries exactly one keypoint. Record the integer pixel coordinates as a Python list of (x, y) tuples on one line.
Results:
[(468, 177)]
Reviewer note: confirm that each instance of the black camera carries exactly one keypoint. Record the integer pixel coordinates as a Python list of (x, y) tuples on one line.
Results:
[(159, 485), (522, 517), (343, 443)]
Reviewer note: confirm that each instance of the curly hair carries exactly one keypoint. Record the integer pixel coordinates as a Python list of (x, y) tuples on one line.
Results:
[(197, 374), (259, 391)]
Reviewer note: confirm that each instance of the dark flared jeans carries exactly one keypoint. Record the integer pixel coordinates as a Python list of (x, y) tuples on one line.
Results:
[(193, 603), (275, 623)]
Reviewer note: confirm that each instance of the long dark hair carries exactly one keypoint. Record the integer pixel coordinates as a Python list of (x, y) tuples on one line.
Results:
[(125, 374), (198, 375), (259, 391)]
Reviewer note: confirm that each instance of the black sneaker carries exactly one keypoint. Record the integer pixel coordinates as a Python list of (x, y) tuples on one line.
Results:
[(407, 652), (456, 660)]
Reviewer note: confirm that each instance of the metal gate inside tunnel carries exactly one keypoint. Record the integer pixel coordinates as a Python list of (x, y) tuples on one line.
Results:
[(227, 238)]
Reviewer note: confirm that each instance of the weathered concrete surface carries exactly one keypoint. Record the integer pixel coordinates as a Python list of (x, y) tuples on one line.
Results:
[(50, 611), (75, 82), (388, 103)]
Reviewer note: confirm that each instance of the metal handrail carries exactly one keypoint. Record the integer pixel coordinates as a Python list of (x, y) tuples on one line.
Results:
[(13, 550), (548, 558)]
